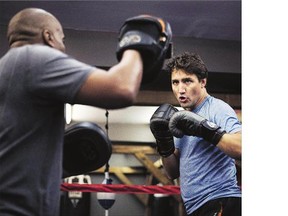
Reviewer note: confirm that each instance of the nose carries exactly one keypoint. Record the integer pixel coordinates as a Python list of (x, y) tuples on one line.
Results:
[(181, 89)]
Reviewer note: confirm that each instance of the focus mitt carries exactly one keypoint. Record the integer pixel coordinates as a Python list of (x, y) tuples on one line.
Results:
[(149, 35)]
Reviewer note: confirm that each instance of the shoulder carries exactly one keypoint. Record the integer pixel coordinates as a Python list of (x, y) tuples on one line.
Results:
[(36, 54), (216, 105), (221, 113), (28, 57), (219, 105), (43, 51), (213, 101)]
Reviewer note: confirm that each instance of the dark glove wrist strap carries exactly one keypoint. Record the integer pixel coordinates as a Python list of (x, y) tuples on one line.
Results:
[(166, 148), (212, 133), (217, 136)]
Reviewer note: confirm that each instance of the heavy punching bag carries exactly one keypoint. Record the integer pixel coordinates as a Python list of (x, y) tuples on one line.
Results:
[(163, 205), (76, 203)]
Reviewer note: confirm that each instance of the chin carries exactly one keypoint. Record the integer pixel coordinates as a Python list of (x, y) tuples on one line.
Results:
[(186, 106)]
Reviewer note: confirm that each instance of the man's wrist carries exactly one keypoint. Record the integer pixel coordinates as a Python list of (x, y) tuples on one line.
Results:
[(165, 149)]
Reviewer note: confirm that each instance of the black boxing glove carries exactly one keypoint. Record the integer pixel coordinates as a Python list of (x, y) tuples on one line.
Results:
[(149, 35), (188, 123), (159, 127)]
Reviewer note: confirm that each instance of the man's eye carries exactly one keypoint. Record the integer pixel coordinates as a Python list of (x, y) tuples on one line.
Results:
[(175, 82), (188, 81)]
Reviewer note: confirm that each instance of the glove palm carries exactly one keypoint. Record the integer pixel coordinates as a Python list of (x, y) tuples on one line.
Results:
[(159, 126)]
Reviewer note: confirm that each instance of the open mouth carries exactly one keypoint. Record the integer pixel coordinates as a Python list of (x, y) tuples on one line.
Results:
[(182, 99)]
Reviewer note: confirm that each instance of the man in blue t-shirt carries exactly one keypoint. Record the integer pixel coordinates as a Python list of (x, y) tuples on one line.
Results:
[(36, 80), (206, 142)]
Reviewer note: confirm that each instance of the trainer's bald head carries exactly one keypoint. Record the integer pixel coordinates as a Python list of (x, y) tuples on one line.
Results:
[(34, 25)]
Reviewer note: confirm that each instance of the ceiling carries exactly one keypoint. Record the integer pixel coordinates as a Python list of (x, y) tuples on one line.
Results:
[(220, 20)]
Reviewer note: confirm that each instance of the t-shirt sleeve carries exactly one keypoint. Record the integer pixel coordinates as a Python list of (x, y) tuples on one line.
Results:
[(55, 75), (225, 117)]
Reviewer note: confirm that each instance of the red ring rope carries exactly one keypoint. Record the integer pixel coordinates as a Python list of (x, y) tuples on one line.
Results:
[(120, 188)]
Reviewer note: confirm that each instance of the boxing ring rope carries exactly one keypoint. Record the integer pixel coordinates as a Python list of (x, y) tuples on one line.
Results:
[(120, 188)]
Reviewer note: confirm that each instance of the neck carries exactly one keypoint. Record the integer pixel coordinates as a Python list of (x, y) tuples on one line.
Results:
[(199, 101)]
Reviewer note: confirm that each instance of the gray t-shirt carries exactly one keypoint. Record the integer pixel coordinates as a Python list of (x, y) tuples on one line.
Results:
[(35, 83)]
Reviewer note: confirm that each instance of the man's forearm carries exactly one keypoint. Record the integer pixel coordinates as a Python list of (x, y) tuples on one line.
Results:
[(231, 144), (171, 166)]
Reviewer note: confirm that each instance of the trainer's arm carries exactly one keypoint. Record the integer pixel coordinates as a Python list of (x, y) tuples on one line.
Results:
[(115, 88), (231, 144), (171, 165)]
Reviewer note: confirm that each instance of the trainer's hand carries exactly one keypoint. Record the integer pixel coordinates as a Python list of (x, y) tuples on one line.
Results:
[(159, 127), (150, 36), (188, 123)]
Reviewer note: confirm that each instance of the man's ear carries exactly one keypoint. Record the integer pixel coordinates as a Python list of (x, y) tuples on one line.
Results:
[(203, 82), (47, 37)]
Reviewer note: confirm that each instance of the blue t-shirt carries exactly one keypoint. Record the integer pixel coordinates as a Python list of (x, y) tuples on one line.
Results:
[(206, 172), (35, 83)]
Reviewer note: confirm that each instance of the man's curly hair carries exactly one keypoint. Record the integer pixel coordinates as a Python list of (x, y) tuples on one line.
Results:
[(190, 63)]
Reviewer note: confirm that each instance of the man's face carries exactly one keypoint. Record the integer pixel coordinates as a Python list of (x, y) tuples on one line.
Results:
[(187, 89)]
